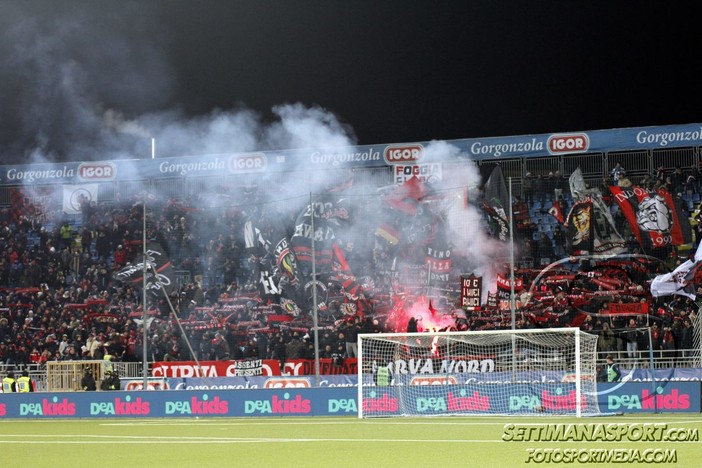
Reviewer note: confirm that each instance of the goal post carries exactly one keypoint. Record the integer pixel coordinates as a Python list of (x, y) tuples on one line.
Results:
[(499, 372)]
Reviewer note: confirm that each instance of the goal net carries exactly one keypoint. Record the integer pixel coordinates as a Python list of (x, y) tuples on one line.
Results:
[(501, 372)]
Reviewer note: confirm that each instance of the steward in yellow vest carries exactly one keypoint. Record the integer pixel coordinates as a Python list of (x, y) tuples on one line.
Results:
[(382, 376), (9, 384), (24, 383)]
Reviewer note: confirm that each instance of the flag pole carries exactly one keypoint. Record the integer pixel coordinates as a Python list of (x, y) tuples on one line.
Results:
[(511, 260), (512, 305), (314, 298), (145, 323), (511, 282)]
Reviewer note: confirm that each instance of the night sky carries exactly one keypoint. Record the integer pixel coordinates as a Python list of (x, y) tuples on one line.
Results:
[(77, 76)]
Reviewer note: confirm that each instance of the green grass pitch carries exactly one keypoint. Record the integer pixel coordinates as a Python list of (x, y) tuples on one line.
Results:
[(308, 442)]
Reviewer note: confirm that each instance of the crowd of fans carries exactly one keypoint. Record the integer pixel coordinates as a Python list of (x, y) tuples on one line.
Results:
[(59, 301)]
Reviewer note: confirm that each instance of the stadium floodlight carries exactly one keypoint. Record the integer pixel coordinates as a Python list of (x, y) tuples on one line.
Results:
[(499, 372)]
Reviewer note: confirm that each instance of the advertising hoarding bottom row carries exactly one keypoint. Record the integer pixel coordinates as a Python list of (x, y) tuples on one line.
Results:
[(639, 397)]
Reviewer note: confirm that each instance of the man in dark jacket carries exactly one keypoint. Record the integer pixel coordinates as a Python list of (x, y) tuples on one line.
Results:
[(115, 382), (87, 383), (108, 383), (351, 333)]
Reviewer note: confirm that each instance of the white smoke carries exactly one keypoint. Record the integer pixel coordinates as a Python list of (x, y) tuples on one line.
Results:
[(62, 65), (463, 217), (114, 120), (95, 82), (307, 127)]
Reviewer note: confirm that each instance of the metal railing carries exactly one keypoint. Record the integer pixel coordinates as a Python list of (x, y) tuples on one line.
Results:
[(688, 358), (65, 376)]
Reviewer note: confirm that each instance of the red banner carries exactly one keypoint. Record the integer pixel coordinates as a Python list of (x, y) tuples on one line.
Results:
[(632, 308), (250, 367), (280, 318), (505, 283)]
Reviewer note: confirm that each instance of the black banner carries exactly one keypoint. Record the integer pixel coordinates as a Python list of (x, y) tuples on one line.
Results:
[(159, 271), (471, 292)]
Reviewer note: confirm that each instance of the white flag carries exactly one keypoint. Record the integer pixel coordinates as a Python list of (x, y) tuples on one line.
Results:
[(677, 281), (75, 195), (674, 283)]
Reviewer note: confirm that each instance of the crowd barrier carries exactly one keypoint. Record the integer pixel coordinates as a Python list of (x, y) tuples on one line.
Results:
[(636, 397)]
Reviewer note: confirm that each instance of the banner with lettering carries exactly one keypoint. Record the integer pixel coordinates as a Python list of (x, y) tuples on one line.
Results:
[(655, 218), (504, 290), (475, 149), (252, 367), (633, 308), (471, 292), (283, 400)]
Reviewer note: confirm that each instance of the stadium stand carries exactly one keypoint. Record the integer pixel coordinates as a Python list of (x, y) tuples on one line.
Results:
[(59, 299)]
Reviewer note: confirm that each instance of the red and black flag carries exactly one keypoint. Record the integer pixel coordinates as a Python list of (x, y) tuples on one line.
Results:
[(353, 291), (408, 218), (326, 219), (286, 262), (606, 239), (557, 212), (655, 218), (580, 228), (406, 197)]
